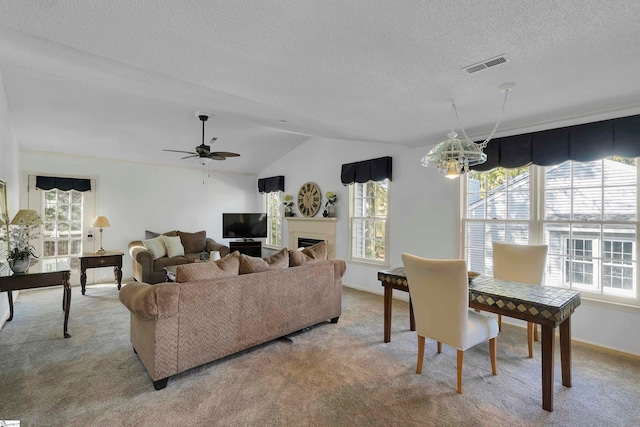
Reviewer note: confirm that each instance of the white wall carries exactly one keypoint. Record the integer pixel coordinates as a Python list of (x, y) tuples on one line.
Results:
[(9, 172), (138, 197), (424, 221)]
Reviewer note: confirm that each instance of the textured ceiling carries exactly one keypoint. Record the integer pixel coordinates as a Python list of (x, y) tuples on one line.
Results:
[(124, 79)]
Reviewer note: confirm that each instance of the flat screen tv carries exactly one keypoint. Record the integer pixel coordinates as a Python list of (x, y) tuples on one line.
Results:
[(244, 225)]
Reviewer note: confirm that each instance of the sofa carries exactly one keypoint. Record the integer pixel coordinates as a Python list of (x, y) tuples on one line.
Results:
[(150, 260), (249, 301)]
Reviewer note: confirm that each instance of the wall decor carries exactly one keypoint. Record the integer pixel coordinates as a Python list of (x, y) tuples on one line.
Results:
[(4, 229), (309, 198)]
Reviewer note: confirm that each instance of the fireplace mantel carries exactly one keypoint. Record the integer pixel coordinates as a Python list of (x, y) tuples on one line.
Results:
[(313, 228)]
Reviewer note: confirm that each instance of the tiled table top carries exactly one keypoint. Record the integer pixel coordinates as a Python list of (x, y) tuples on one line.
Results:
[(543, 302)]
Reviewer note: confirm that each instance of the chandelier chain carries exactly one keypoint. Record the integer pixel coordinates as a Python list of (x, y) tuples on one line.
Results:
[(484, 143)]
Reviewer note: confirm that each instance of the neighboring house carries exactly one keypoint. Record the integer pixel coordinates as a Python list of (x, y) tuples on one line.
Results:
[(578, 254)]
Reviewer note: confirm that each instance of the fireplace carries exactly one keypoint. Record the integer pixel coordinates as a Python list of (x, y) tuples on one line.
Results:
[(312, 230), (305, 242)]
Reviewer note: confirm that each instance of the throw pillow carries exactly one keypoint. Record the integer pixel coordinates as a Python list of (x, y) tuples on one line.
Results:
[(173, 245), (193, 242), (156, 247), (228, 266), (251, 264), (315, 253), (279, 259), (151, 234)]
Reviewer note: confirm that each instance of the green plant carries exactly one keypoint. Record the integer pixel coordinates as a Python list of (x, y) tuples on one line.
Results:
[(20, 246)]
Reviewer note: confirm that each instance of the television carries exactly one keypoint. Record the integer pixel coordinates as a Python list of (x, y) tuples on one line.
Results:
[(244, 225)]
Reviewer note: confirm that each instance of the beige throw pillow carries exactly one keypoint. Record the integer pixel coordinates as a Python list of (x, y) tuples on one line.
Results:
[(156, 247), (249, 264), (315, 253), (228, 266), (173, 245), (193, 242)]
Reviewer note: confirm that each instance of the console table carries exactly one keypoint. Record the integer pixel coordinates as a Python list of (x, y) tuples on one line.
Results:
[(39, 280), (95, 260), (549, 307)]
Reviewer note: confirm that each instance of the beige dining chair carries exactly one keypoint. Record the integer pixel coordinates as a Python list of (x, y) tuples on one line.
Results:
[(523, 264), (439, 292)]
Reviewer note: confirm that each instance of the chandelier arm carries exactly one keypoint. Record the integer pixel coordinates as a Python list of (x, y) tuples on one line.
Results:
[(484, 143)]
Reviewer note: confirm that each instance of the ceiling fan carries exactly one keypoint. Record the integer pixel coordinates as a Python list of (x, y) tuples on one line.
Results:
[(203, 151)]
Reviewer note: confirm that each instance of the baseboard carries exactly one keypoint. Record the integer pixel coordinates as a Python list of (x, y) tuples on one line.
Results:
[(403, 296)]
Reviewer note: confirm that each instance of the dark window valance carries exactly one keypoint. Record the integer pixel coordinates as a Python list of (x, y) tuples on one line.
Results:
[(64, 184), (587, 142), (366, 170), (268, 185)]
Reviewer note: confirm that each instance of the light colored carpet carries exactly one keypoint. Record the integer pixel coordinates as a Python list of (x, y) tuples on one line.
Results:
[(331, 375)]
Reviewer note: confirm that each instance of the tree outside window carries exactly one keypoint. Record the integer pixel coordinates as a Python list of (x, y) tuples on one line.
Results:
[(369, 213), (274, 208)]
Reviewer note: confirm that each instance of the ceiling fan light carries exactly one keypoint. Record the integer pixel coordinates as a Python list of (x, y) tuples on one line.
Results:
[(204, 160)]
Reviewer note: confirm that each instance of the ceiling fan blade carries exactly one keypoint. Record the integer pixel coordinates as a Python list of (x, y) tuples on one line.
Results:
[(214, 157), (225, 154), (189, 157), (214, 139), (180, 151)]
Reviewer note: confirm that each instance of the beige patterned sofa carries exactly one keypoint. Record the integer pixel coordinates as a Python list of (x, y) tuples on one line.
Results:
[(150, 268), (245, 301)]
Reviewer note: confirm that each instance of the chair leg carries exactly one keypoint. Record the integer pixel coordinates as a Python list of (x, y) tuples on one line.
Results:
[(535, 332), (493, 344), (439, 347), (499, 322), (420, 354), (530, 328), (460, 357)]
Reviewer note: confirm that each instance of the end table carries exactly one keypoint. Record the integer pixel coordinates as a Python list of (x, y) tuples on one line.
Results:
[(95, 260)]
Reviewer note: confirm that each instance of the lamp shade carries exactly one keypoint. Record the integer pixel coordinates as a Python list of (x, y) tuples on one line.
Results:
[(100, 221), (26, 217)]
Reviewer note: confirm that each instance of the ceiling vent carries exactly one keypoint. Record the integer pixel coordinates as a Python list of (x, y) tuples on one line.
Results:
[(486, 64)]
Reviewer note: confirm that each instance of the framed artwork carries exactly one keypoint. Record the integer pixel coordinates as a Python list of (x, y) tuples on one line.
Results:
[(4, 229)]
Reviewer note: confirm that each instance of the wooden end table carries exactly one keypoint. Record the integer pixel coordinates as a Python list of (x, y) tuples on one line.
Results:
[(39, 280), (96, 260)]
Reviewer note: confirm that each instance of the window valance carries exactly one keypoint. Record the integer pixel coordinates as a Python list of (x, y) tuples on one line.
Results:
[(366, 170), (587, 142), (268, 185), (64, 184)]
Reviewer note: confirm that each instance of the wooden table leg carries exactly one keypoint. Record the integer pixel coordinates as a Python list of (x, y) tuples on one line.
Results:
[(565, 351), (10, 296), (117, 272), (67, 308), (388, 293), (548, 351), (412, 320), (83, 279)]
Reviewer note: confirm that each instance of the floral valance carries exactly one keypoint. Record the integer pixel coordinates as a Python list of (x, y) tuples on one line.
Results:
[(64, 184), (590, 141), (367, 170), (268, 185)]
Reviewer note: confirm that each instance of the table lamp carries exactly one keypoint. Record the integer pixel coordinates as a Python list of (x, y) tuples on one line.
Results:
[(101, 222)]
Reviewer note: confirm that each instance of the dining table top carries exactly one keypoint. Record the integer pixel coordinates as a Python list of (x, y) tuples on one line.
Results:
[(542, 303)]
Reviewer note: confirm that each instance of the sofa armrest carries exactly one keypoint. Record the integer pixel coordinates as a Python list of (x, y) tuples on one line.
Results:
[(212, 245), (150, 302), (339, 267)]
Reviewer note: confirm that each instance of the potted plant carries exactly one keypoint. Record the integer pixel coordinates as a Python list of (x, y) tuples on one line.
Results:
[(24, 227), (329, 208), (288, 205)]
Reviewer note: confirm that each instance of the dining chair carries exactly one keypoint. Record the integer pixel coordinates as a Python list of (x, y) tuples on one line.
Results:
[(523, 264), (439, 292)]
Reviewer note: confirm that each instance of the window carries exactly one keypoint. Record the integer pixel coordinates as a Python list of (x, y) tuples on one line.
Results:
[(369, 212), (585, 211), (62, 233), (274, 210)]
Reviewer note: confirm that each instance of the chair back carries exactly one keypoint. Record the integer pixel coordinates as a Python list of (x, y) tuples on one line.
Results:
[(439, 292), (519, 263)]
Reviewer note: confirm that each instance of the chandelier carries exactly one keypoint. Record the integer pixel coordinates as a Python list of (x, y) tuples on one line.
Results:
[(454, 156)]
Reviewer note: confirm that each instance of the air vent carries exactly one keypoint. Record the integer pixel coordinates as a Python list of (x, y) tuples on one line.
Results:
[(486, 64)]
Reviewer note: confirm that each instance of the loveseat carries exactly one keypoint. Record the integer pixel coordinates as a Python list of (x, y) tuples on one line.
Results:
[(149, 260), (178, 326)]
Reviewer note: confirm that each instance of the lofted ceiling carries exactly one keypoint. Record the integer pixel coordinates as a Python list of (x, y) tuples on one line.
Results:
[(125, 79)]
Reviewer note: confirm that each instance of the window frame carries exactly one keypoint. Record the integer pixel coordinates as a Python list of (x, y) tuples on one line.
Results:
[(278, 196), (352, 220), (537, 236)]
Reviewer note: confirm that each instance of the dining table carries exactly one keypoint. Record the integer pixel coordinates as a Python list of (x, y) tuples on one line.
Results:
[(547, 306)]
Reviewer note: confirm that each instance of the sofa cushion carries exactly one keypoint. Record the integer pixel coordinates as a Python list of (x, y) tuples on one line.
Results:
[(156, 247), (174, 246), (225, 267), (193, 242), (163, 262), (249, 264), (315, 253)]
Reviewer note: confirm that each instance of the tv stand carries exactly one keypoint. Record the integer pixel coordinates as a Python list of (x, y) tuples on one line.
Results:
[(247, 246)]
